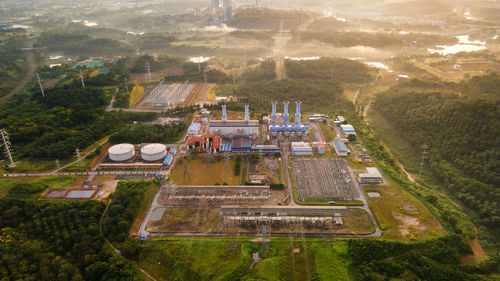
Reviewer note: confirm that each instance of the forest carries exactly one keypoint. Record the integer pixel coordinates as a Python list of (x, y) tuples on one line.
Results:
[(55, 240), (81, 45), (143, 133), (12, 64), (463, 136), (68, 117), (264, 71), (316, 95), (340, 70)]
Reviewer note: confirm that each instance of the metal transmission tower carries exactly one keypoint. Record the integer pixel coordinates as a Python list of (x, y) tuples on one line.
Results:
[(57, 164), (126, 84), (7, 144), (205, 78), (81, 78), (77, 152), (424, 153), (148, 72), (40, 83)]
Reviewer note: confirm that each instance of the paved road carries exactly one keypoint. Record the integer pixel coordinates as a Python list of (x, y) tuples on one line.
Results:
[(85, 173), (285, 152), (154, 203)]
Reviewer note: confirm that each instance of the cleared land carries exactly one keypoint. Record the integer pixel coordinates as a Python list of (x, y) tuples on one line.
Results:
[(201, 172), (328, 132), (401, 215)]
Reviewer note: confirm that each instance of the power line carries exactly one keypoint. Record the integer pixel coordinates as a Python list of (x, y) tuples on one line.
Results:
[(424, 154), (81, 78), (148, 72), (7, 144), (40, 83)]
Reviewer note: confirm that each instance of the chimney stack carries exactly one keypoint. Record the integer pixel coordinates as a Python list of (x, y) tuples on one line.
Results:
[(297, 111), (285, 112), (273, 114), (224, 113), (247, 113)]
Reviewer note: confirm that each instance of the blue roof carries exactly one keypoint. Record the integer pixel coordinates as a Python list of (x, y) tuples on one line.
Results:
[(340, 146), (173, 150), (168, 159)]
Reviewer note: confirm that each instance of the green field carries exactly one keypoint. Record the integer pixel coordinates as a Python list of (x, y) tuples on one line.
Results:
[(227, 259), (399, 222), (328, 132)]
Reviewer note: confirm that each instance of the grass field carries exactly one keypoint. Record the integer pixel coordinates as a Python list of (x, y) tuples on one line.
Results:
[(218, 259), (328, 132), (136, 94), (401, 215), (198, 172)]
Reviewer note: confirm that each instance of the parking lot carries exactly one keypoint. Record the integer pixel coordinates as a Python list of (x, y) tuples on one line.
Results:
[(323, 179)]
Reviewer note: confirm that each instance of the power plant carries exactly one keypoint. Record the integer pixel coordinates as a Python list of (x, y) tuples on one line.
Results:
[(284, 127)]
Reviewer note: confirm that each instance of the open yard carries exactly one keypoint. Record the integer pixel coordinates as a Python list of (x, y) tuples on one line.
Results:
[(328, 132), (211, 259), (401, 215), (200, 172)]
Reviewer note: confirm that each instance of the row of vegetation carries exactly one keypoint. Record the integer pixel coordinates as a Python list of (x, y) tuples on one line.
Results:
[(55, 240), (142, 133)]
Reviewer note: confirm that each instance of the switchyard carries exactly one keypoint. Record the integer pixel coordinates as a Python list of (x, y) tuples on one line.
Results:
[(323, 178), (170, 95)]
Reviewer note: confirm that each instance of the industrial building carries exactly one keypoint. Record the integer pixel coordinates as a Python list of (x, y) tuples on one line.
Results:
[(230, 128), (283, 126), (301, 148), (348, 129), (372, 176), (207, 142), (340, 148), (317, 117)]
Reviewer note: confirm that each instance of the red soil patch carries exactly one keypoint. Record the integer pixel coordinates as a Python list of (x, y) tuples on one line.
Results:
[(96, 159), (479, 253)]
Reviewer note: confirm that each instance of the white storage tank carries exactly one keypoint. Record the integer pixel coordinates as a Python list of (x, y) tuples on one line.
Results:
[(153, 152), (121, 152)]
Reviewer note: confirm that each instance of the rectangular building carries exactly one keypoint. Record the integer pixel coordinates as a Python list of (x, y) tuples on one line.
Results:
[(348, 129), (372, 176), (340, 148), (301, 148), (234, 127)]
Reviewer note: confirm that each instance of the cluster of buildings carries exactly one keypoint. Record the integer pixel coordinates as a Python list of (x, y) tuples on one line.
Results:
[(235, 136)]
